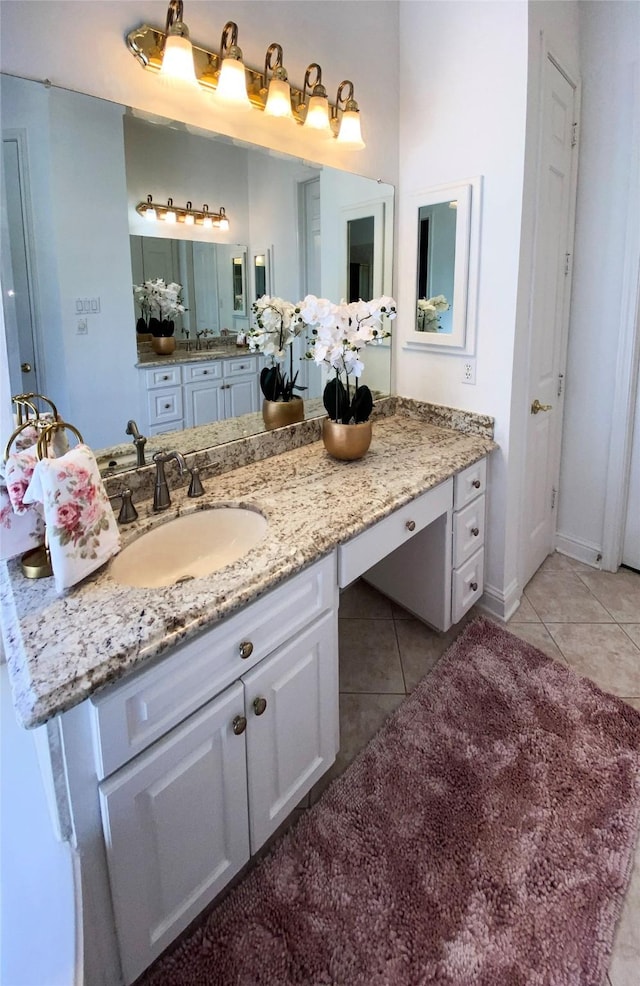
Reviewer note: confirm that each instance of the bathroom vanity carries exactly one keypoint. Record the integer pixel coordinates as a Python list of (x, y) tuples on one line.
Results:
[(184, 724)]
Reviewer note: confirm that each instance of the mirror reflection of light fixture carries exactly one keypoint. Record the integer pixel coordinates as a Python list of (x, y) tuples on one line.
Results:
[(177, 56), (242, 87), (171, 213), (317, 114), (232, 81), (278, 102), (349, 133)]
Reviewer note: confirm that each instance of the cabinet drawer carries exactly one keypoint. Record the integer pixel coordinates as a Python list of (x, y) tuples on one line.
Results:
[(203, 371), (370, 547), (165, 405), (133, 714), (468, 585), (470, 483), (468, 530), (163, 377), (239, 365)]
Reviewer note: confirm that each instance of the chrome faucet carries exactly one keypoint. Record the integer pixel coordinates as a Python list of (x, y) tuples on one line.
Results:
[(138, 440), (161, 498)]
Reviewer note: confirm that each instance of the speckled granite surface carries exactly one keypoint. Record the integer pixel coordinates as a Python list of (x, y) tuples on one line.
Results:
[(61, 649)]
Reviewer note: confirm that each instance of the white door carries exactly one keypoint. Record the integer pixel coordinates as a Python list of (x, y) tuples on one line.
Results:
[(292, 725), (548, 320), (631, 544), (175, 824)]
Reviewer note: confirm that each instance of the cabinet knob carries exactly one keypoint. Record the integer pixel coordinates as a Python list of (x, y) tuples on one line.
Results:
[(475, 531), (476, 484), (204, 373), (410, 525), (246, 649), (473, 586), (242, 366), (259, 705), (166, 376), (239, 725), (167, 407)]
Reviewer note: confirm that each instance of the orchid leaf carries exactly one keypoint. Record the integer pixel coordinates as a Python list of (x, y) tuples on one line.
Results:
[(362, 404), (335, 400)]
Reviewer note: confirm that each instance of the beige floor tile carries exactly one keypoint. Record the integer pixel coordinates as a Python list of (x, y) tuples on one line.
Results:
[(361, 601), (525, 613), (369, 658), (421, 648), (619, 593), (624, 968), (361, 716), (633, 631), (563, 598), (603, 653), (399, 613), (538, 635)]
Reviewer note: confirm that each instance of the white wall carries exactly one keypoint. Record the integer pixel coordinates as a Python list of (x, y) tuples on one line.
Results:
[(82, 46), (463, 90), (610, 54)]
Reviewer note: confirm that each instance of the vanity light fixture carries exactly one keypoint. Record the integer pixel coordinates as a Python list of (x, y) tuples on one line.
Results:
[(278, 94), (232, 80), (171, 213), (349, 133), (177, 53), (240, 86)]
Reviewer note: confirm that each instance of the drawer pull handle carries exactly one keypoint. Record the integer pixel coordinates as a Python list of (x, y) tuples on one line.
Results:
[(259, 705), (475, 531), (204, 373), (239, 725), (167, 407), (476, 484), (241, 366), (410, 525), (473, 586), (246, 649), (166, 376)]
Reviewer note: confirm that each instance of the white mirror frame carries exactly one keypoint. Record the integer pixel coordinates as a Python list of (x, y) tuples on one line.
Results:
[(465, 285), (266, 253), (382, 244)]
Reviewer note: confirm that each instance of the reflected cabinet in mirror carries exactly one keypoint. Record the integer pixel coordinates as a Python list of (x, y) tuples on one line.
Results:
[(76, 170), (448, 222)]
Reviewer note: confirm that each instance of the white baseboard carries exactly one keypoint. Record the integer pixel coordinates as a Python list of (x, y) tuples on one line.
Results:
[(584, 551), (501, 604)]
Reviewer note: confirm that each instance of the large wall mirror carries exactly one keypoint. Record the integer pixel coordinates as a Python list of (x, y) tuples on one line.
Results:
[(75, 244), (446, 259)]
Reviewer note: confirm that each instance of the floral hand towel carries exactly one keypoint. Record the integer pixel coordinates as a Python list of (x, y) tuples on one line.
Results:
[(18, 532), (18, 470), (81, 529)]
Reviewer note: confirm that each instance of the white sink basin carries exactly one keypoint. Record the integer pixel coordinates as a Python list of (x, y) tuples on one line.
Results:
[(189, 547)]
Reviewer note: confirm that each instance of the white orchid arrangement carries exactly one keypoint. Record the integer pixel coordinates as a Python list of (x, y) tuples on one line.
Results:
[(277, 323), (339, 334), (159, 304), (429, 310)]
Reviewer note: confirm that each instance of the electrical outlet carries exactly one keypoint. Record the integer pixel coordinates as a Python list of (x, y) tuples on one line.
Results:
[(83, 327), (469, 371)]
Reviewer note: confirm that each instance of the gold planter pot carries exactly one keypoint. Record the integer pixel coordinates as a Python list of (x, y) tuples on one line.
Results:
[(346, 442), (163, 345), (277, 414)]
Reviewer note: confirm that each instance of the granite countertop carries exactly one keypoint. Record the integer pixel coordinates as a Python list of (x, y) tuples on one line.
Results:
[(60, 649), (147, 358)]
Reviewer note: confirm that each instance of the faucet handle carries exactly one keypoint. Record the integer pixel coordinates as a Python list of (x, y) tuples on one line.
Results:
[(128, 512), (195, 486)]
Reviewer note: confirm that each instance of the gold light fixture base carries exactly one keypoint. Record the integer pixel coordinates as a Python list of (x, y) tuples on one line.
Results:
[(36, 563)]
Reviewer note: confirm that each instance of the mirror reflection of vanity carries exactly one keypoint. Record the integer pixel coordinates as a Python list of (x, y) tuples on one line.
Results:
[(84, 177)]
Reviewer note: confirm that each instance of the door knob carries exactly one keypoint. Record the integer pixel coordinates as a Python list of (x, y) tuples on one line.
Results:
[(537, 406), (259, 705), (239, 725), (26, 367)]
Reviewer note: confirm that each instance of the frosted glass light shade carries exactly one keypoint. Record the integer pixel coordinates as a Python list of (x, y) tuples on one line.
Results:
[(177, 60), (207, 222), (232, 84), (279, 100), (224, 223), (150, 213), (317, 117), (189, 220), (350, 134), (170, 216)]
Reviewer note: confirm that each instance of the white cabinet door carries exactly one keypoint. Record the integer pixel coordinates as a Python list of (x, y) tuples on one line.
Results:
[(203, 403), (175, 824), (292, 725), (241, 396)]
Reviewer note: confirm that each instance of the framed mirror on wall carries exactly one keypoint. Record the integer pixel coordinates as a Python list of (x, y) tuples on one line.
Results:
[(445, 260), (261, 268)]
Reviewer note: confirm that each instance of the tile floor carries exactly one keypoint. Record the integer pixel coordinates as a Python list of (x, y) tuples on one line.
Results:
[(588, 619)]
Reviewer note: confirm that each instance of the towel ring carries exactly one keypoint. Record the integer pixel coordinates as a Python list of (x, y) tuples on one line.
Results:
[(26, 424), (45, 438), (21, 399)]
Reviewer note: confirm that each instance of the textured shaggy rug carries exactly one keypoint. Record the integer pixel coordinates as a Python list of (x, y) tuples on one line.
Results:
[(484, 836)]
